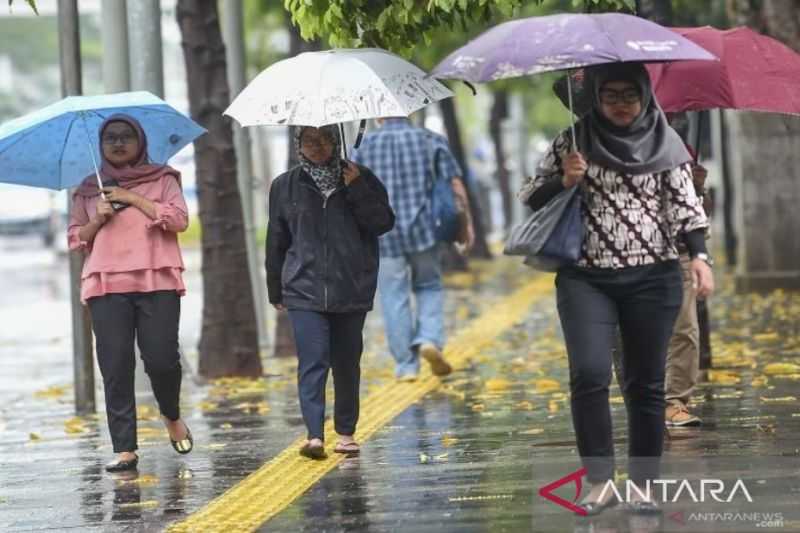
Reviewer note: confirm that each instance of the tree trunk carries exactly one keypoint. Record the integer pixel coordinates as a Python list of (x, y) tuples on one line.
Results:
[(453, 130), (229, 338), (499, 113), (766, 168)]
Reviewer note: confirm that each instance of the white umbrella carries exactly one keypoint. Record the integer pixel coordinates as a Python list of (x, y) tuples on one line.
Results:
[(335, 86)]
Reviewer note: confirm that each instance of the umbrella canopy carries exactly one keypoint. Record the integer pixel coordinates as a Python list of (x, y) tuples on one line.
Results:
[(57, 146), (755, 73), (558, 42), (335, 86)]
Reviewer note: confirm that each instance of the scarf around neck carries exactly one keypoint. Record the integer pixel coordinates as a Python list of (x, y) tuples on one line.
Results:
[(327, 176)]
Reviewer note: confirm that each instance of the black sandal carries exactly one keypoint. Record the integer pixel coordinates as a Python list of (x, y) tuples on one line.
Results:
[(184, 445), (123, 466)]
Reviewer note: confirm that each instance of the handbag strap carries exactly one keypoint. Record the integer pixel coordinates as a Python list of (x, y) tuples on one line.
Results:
[(433, 157)]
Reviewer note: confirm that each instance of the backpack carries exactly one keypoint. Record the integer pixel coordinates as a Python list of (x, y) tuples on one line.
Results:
[(444, 210)]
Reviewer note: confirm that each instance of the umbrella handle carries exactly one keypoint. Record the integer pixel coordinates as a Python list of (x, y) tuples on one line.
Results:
[(94, 160), (344, 143), (571, 113), (361, 128)]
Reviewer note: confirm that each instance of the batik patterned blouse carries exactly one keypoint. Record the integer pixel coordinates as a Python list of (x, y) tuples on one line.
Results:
[(628, 220)]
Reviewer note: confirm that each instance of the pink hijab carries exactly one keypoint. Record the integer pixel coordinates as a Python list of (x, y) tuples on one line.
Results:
[(138, 172)]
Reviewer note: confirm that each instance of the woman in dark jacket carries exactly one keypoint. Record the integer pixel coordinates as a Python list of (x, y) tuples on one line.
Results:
[(325, 216), (638, 201)]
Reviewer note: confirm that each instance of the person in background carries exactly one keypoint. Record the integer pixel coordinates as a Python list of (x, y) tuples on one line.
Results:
[(407, 159), (132, 280), (325, 216), (683, 353)]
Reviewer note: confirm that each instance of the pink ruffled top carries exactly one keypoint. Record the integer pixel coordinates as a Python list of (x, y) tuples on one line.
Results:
[(132, 252)]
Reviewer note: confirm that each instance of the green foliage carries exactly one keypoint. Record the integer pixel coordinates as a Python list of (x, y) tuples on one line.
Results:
[(399, 25), (605, 5), (31, 3)]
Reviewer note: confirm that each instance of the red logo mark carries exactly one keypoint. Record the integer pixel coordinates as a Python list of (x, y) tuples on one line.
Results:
[(547, 491), (678, 517)]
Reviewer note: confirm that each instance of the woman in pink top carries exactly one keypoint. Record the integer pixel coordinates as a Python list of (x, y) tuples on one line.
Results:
[(132, 281)]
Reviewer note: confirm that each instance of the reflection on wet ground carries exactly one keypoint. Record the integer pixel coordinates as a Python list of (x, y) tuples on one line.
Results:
[(469, 457)]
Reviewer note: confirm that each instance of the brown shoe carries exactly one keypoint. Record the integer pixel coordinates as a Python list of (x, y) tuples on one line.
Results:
[(433, 355), (679, 416)]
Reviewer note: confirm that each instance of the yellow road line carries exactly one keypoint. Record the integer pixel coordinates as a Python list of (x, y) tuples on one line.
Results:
[(271, 488)]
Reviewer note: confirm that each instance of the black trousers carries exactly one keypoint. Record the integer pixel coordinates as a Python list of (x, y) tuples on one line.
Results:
[(151, 319), (328, 341), (643, 302)]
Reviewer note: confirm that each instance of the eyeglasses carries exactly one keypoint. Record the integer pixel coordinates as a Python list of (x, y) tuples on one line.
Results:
[(625, 96), (126, 138), (316, 142)]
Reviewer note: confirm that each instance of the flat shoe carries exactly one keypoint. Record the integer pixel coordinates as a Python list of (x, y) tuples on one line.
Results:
[(350, 448), (313, 452), (595, 508), (183, 446), (122, 466), (433, 356)]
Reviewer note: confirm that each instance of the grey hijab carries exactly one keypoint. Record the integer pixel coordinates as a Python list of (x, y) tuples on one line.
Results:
[(648, 145), (327, 176)]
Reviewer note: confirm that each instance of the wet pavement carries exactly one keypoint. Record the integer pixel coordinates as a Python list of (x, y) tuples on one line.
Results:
[(469, 456)]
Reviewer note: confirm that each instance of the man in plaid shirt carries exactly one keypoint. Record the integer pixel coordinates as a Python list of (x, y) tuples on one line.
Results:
[(403, 157)]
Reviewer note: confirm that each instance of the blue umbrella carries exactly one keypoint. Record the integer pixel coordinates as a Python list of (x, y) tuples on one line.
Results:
[(57, 146)]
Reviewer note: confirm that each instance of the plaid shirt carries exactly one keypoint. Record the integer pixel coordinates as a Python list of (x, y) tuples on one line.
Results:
[(399, 154)]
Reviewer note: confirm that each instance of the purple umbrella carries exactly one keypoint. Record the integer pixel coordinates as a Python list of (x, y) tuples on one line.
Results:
[(558, 42)]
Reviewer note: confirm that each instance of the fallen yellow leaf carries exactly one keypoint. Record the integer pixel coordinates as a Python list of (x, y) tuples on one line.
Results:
[(75, 425), (55, 391), (525, 405), (448, 441), (478, 407), (774, 369), (722, 377), (779, 400), (151, 432), (147, 480), (767, 337), (137, 505), (146, 412), (497, 384), (34, 436), (207, 406), (545, 385), (534, 431)]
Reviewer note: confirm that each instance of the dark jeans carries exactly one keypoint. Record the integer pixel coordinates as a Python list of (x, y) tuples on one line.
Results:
[(328, 341), (151, 318), (643, 302)]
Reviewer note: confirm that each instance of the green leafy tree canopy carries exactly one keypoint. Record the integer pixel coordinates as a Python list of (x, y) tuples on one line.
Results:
[(401, 25)]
